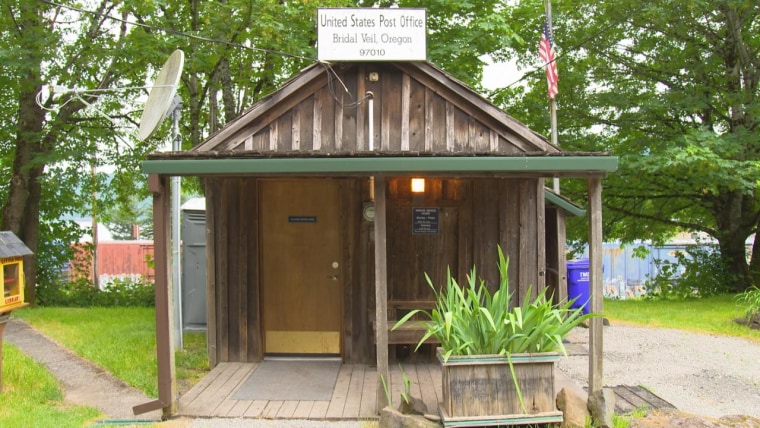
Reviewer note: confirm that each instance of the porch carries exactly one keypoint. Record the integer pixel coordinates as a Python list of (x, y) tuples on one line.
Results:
[(353, 396)]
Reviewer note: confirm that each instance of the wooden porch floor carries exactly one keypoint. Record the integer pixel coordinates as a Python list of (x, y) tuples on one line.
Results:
[(354, 395)]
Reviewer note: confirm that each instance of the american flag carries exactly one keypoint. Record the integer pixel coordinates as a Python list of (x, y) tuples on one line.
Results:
[(546, 53)]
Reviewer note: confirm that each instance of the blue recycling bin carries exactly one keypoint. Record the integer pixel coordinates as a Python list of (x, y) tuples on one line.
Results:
[(578, 284)]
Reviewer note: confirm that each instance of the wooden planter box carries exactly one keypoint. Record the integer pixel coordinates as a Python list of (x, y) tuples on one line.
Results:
[(480, 390)]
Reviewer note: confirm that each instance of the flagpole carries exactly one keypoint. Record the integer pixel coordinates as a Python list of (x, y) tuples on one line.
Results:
[(552, 100)]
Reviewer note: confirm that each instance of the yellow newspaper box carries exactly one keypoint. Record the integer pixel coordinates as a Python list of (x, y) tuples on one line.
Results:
[(12, 251)]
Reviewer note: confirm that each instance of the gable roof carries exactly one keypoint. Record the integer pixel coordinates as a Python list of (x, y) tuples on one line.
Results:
[(448, 115), (12, 246), (389, 117)]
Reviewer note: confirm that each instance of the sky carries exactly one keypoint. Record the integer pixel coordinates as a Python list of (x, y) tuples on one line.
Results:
[(498, 75)]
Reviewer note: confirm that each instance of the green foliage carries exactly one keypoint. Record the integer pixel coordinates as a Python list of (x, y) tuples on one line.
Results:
[(124, 291), (461, 33), (236, 52), (470, 320), (33, 398), (648, 81), (387, 391), (624, 420), (192, 360), (750, 299), (407, 385), (54, 252), (699, 271)]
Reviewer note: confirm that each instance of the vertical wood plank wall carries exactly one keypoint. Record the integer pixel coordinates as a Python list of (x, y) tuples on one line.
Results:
[(410, 114), (556, 259), (476, 215)]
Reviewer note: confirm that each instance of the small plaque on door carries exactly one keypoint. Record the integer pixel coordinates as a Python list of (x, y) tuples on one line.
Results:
[(425, 221), (302, 219)]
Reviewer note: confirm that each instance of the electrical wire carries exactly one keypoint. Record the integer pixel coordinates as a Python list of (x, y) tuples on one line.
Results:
[(331, 88)]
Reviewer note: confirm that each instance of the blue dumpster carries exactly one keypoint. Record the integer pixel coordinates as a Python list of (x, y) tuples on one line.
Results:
[(578, 284)]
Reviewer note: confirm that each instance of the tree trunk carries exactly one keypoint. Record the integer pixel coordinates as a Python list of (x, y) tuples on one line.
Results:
[(734, 214), (21, 209), (754, 266), (733, 253)]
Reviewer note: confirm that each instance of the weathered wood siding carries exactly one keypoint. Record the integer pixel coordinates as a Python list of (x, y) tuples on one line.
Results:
[(556, 259), (476, 215), (417, 109), (481, 388), (413, 111), (234, 321)]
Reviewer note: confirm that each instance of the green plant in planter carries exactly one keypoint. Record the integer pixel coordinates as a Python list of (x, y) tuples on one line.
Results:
[(469, 320)]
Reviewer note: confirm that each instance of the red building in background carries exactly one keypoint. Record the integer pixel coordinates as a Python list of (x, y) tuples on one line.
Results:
[(114, 258)]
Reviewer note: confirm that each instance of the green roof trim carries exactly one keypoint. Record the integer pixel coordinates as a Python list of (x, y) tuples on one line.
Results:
[(563, 203), (548, 165)]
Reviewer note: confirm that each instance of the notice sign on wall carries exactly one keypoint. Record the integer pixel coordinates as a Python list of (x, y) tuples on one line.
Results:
[(371, 35), (425, 221), (302, 219)]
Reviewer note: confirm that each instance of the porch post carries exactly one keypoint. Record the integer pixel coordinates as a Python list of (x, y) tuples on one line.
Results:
[(596, 333), (381, 294), (167, 381)]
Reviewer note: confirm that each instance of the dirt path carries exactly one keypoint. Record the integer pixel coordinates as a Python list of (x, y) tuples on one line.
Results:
[(698, 373), (83, 382)]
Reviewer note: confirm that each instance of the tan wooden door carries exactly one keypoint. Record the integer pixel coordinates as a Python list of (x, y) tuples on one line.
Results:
[(300, 266)]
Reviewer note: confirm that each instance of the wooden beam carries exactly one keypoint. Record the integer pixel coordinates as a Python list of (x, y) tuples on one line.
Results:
[(211, 187), (381, 294), (562, 257), (167, 380), (595, 372)]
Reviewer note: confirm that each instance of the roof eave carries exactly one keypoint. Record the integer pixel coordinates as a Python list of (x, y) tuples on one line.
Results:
[(533, 165), (564, 203)]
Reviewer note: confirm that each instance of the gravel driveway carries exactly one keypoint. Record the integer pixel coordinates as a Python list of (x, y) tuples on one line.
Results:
[(700, 374)]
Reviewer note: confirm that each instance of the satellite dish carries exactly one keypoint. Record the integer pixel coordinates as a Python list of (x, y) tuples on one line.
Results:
[(161, 95)]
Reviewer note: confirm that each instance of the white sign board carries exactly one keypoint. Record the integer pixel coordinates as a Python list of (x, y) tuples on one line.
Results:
[(371, 35)]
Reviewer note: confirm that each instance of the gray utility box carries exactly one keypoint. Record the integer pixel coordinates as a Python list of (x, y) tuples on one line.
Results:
[(194, 265)]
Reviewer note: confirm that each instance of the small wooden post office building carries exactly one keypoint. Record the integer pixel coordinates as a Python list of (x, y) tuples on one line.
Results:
[(314, 234)]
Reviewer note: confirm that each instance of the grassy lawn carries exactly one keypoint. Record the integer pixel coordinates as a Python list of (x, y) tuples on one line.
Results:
[(121, 340), (31, 396), (713, 315)]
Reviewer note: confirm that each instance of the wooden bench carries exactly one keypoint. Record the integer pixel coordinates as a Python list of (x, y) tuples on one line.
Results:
[(411, 331)]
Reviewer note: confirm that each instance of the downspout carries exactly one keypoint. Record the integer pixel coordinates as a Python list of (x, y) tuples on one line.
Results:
[(371, 138)]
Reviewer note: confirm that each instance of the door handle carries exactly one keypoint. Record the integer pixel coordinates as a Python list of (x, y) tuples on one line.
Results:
[(333, 277)]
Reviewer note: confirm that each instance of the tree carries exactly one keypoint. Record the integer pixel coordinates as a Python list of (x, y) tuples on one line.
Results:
[(96, 58), (53, 138), (672, 88)]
